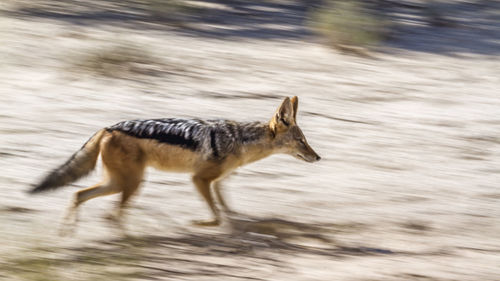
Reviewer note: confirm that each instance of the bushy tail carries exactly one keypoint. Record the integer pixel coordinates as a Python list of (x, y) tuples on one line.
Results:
[(79, 165)]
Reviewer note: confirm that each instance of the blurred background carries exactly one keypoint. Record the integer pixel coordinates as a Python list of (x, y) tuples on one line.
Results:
[(400, 98)]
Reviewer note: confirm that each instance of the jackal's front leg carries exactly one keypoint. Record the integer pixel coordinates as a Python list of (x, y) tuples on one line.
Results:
[(218, 193), (203, 186)]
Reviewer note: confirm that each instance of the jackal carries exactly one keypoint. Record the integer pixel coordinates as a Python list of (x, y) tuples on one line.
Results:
[(208, 149)]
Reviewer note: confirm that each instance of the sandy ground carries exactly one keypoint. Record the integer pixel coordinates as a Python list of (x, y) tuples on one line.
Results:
[(407, 188)]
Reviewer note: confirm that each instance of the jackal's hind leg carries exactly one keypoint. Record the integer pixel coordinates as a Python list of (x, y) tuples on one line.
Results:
[(129, 189), (71, 219), (203, 187)]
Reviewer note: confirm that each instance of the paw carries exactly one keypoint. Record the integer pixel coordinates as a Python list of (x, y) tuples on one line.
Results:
[(229, 212), (68, 225), (112, 217), (214, 222), (115, 219), (66, 230)]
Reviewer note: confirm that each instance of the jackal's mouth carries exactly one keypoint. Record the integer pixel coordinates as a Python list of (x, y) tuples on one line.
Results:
[(307, 159), (300, 156)]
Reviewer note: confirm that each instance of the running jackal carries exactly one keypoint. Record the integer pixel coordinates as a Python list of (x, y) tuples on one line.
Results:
[(207, 149)]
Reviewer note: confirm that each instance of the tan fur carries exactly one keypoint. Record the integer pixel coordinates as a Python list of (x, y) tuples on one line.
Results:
[(125, 158)]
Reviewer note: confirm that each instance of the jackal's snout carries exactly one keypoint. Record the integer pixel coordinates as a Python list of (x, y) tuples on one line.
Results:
[(316, 158), (307, 154)]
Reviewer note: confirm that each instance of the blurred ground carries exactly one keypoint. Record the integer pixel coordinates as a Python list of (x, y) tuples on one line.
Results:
[(407, 188)]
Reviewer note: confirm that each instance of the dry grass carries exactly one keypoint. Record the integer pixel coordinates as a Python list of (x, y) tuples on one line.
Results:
[(347, 25), (119, 61)]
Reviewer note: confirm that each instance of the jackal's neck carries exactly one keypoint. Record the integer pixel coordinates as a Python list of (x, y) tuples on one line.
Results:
[(257, 141)]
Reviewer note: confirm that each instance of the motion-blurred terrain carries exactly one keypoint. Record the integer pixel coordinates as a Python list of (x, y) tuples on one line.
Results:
[(408, 131)]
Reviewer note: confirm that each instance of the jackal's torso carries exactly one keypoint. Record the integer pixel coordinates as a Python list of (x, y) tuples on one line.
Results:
[(182, 144)]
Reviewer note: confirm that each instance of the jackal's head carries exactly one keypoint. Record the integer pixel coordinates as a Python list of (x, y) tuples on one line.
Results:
[(288, 138)]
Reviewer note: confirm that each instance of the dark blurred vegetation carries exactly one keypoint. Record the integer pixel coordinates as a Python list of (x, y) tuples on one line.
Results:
[(430, 26)]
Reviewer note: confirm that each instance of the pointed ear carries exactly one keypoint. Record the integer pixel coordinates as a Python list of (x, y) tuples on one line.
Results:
[(283, 116), (295, 105), (285, 112)]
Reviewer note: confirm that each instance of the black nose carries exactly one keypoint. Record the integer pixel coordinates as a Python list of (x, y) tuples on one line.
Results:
[(318, 158)]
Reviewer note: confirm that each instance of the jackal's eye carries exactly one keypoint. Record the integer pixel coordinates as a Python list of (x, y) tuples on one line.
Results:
[(302, 142)]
